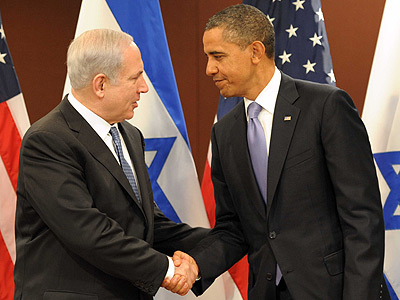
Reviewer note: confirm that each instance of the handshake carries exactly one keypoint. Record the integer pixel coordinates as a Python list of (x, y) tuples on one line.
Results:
[(186, 273)]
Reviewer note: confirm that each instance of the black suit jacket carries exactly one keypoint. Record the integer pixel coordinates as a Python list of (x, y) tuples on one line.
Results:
[(80, 232), (323, 220)]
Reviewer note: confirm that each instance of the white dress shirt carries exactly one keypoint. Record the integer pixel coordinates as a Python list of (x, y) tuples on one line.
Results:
[(267, 99)]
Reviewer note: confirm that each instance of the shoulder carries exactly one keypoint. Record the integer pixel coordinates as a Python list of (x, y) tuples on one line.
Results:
[(307, 87), (305, 93), (53, 122)]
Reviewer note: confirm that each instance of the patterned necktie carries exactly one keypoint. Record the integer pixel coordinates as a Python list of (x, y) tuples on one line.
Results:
[(259, 156), (124, 164)]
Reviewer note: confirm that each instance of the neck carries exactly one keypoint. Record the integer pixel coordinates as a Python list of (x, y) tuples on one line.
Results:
[(262, 78), (87, 99)]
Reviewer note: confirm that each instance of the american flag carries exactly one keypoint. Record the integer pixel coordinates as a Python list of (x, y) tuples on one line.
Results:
[(301, 51), (13, 124)]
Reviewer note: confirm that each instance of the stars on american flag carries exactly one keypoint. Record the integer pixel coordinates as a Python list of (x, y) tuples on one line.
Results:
[(299, 4), (309, 66), (2, 55), (285, 57), (320, 15), (332, 76), (292, 31), (302, 48), (9, 86), (2, 36), (270, 19), (316, 40)]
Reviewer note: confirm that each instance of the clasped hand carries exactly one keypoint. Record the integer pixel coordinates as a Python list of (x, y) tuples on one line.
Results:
[(186, 272)]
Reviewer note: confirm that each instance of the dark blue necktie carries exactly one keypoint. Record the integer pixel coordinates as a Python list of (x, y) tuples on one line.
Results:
[(259, 156), (124, 164)]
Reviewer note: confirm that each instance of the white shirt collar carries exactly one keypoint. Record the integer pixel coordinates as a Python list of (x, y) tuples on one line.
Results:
[(101, 126), (267, 97)]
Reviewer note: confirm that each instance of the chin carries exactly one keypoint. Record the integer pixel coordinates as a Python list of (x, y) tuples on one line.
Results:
[(226, 95)]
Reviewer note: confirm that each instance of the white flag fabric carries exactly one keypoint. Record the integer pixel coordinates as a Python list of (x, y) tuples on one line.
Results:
[(160, 118), (381, 116)]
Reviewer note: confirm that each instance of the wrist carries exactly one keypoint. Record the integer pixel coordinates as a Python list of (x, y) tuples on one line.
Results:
[(171, 269)]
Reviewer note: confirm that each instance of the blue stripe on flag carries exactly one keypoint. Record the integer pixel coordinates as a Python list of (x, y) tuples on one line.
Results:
[(143, 20)]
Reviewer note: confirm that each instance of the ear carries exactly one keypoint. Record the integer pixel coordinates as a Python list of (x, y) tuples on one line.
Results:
[(258, 51), (98, 84)]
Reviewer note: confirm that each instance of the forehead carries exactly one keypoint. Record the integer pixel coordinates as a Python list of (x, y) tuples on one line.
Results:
[(214, 42), (132, 59)]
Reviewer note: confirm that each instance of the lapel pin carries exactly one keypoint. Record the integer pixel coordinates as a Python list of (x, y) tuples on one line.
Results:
[(287, 118)]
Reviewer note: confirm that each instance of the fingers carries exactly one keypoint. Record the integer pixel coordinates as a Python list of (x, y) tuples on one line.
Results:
[(181, 287), (166, 283), (186, 271), (179, 255), (177, 258), (176, 285)]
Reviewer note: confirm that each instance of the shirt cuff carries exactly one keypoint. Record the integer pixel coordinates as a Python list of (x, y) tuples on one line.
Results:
[(171, 269)]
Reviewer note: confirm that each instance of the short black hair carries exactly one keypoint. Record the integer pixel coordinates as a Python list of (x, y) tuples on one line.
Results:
[(243, 24)]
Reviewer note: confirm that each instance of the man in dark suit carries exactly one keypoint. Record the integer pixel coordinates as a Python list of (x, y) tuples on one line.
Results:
[(86, 223), (308, 211)]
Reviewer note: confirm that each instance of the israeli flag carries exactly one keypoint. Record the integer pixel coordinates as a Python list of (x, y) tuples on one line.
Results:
[(160, 118), (381, 116)]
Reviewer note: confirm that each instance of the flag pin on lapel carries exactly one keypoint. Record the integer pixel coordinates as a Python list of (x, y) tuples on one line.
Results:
[(287, 118)]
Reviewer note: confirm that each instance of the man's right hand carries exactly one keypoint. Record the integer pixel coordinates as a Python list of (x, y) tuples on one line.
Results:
[(186, 272)]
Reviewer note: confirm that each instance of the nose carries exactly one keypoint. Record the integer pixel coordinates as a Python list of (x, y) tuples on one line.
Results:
[(143, 87), (211, 68)]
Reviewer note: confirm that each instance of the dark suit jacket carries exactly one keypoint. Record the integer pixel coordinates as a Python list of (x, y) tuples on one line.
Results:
[(323, 220), (80, 232)]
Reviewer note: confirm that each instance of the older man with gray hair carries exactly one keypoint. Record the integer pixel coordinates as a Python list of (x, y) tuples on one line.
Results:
[(86, 223)]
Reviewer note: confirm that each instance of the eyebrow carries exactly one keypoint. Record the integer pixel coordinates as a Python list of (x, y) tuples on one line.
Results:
[(137, 75), (214, 53)]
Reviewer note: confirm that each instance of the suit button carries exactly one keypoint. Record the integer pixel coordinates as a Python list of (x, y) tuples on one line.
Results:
[(272, 235), (269, 276)]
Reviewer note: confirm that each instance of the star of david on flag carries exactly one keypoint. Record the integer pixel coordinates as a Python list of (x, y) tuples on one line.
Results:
[(389, 166), (381, 116)]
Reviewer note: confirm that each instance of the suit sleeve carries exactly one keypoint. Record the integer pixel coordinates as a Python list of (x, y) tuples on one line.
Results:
[(170, 237), (54, 184), (225, 244), (352, 171)]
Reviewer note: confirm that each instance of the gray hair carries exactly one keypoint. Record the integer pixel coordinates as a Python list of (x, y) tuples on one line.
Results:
[(94, 52), (242, 25)]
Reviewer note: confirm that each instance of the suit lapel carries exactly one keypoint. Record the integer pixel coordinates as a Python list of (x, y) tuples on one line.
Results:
[(248, 181), (284, 123), (96, 146)]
